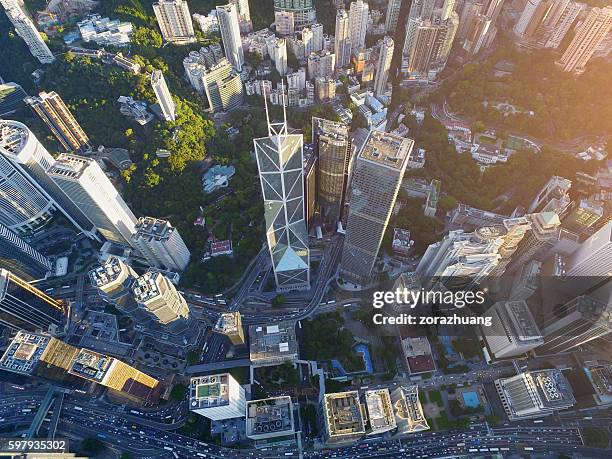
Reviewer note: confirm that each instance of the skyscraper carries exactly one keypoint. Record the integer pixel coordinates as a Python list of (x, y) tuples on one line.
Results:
[(543, 235), (303, 11), (421, 9), (532, 15), (358, 24), (419, 45), (161, 244), (26, 29), (217, 397), (377, 176), (244, 15), (342, 44), (280, 161), (174, 21), (24, 307), (159, 297), (50, 107), (383, 66), (230, 35), (447, 9), (590, 34), (21, 148), (561, 19), (332, 144), (21, 258), (279, 56), (594, 257), (88, 187), (222, 86), (393, 11), (317, 37), (164, 98)]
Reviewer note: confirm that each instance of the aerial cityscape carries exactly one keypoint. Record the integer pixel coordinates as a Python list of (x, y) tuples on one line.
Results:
[(305, 229)]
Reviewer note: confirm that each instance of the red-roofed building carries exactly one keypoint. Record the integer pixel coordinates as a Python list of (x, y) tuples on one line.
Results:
[(221, 248)]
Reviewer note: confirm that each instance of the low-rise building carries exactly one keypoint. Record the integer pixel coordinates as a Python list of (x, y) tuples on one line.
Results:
[(417, 352), (136, 109), (217, 177), (104, 31), (402, 244)]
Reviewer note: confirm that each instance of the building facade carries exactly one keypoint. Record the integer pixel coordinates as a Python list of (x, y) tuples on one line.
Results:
[(230, 35), (174, 21), (25, 28), (161, 244), (21, 258), (164, 98)]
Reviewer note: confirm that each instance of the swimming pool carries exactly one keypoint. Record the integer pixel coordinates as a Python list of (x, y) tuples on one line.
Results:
[(471, 399)]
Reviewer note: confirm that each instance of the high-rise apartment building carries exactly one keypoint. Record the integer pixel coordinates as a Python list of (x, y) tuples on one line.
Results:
[(21, 258), (594, 257), (358, 24), (393, 11), (164, 98), (244, 15), (30, 160), (91, 191), (471, 9), (280, 161), (317, 37), (421, 9), (448, 7), (589, 35), (161, 244), (279, 55), (217, 397), (24, 307), (533, 13), (230, 35), (332, 145), (222, 86), (342, 43), (377, 176), (445, 38), (325, 89), (513, 329), (534, 394), (562, 17), (384, 65), (25, 28), (52, 110), (321, 64), (419, 45), (304, 13), (284, 24), (174, 21)]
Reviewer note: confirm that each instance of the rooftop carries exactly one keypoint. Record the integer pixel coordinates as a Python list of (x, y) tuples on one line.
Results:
[(13, 137), (273, 342), (107, 273), (91, 365), (269, 417), (343, 414), (228, 323), (386, 149), (380, 410), (153, 229), (209, 391), (147, 287), (408, 410), (24, 352), (70, 166), (525, 327)]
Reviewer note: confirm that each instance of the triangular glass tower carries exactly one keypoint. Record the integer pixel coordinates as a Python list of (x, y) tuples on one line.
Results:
[(280, 164)]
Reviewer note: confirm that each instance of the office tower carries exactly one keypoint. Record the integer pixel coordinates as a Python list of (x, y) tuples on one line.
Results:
[(543, 235), (230, 325), (24, 307), (230, 35), (513, 330), (332, 145), (534, 394), (42, 355), (114, 280), (579, 321), (462, 259), (311, 163), (589, 35), (270, 418), (161, 244), (26, 29), (532, 15), (280, 161), (447, 9), (526, 281), (552, 197), (383, 66), (174, 21), (21, 258), (358, 24), (380, 417), (561, 19), (50, 107), (377, 176), (342, 44), (244, 15), (304, 13), (409, 415), (222, 86), (158, 296), (321, 64), (516, 229), (91, 191), (317, 37), (343, 417), (279, 55), (217, 397), (594, 257), (393, 11), (164, 98), (272, 345), (471, 9), (585, 218), (283, 21), (24, 153), (419, 45), (325, 89)]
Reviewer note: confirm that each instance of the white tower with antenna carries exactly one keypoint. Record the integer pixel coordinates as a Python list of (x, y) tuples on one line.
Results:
[(280, 164)]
